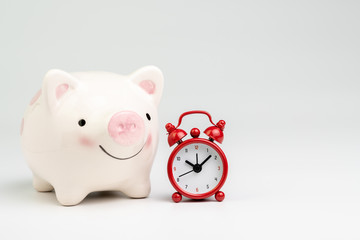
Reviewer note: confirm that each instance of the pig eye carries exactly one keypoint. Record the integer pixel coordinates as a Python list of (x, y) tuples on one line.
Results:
[(148, 116), (82, 122)]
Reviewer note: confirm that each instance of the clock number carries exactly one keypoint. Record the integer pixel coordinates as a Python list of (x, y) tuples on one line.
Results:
[(216, 179), (215, 157), (178, 158), (177, 179), (207, 186), (186, 186), (196, 147), (174, 169), (197, 189), (207, 149), (219, 168), (186, 150)]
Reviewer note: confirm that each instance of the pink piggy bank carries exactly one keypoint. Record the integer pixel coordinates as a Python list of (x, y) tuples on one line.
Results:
[(93, 131)]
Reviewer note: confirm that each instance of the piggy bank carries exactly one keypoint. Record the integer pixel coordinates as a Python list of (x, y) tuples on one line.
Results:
[(93, 131)]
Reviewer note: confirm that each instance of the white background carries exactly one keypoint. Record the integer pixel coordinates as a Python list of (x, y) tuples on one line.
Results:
[(284, 75)]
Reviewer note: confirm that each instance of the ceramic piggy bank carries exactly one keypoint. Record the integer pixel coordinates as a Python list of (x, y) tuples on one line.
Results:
[(93, 131)]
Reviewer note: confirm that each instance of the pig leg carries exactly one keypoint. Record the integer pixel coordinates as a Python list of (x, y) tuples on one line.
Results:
[(69, 196), (41, 185), (137, 189)]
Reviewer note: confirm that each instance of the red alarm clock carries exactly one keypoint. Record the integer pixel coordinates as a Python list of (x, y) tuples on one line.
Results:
[(197, 167)]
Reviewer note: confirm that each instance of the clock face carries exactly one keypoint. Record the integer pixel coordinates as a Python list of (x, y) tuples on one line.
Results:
[(198, 168)]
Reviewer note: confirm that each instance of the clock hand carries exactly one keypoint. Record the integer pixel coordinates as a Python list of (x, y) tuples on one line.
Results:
[(188, 162), (197, 161), (186, 173), (205, 160)]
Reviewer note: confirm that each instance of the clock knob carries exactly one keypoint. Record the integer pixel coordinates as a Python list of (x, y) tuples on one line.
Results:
[(175, 135), (169, 127), (221, 125), (195, 132)]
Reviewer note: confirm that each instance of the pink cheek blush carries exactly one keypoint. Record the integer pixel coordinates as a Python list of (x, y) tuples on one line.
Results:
[(36, 97), (148, 141), (86, 142)]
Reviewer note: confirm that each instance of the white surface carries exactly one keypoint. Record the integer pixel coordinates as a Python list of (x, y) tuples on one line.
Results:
[(284, 75)]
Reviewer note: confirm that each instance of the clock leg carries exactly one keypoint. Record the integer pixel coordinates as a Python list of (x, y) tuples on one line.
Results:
[(176, 197), (219, 196)]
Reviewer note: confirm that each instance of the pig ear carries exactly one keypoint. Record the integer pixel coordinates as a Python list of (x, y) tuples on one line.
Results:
[(56, 86), (151, 80)]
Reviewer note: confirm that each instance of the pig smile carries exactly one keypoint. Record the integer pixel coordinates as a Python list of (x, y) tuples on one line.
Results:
[(126, 158)]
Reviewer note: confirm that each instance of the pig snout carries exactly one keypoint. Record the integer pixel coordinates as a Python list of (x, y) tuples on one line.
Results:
[(126, 128)]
